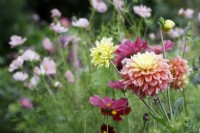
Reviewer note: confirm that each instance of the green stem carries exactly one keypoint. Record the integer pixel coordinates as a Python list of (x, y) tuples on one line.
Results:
[(164, 111), (151, 109), (168, 90), (185, 104)]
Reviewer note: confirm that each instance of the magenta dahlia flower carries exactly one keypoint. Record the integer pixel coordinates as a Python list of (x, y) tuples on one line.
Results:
[(114, 108), (127, 49), (146, 74)]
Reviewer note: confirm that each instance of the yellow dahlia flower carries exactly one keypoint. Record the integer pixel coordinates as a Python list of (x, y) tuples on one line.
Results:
[(168, 25), (103, 52), (146, 74)]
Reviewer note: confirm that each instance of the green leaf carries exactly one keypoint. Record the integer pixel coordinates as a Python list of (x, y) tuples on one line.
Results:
[(177, 106), (160, 120)]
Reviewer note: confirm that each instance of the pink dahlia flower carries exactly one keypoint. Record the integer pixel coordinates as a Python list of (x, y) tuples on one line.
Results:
[(114, 108), (158, 49), (127, 49), (146, 74), (180, 71)]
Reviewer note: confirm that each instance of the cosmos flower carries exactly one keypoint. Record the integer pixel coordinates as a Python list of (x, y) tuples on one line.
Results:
[(20, 76), (33, 82), (142, 11), (26, 103), (49, 66), (55, 13), (152, 36), (48, 45), (117, 84), (176, 32), (81, 23), (198, 17), (103, 52), (57, 27), (17, 63), (67, 39), (16, 41), (99, 6), (188, 13), (30, 55), (146, 74), (114, 108), (65, 22), (107, 129), (119, 4), (158, 49), (180, 71), (69, 76), (127, 49)]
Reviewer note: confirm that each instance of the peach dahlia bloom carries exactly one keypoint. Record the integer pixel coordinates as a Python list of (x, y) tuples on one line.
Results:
[(180, 71), (146, 74)]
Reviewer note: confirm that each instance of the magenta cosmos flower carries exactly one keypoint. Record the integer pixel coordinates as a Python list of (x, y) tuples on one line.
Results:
[(114, 108), (26, 103), (117, 84), (127, 49), (146, 74), (158, 49)]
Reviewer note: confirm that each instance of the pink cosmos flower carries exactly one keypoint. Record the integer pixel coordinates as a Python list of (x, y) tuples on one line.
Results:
[(57, 27), (55, 13), (198, 17), (152, 36), (48, 45), (81, 23), (69, 76), (65, 40), (99, 6), (158, 49), (30, 55), (65, 22), (16, 41), (17, 63), (114, 108), (119, 4), (33, 82), (48, 66), (146, 74), (20, 76), (142, 11), (127, 49), (176, 32), (117, 84), (26, 103), (188, 13)]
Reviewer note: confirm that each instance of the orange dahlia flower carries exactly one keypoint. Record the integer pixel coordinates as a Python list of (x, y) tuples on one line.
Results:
[(180, 71), (146, 74)]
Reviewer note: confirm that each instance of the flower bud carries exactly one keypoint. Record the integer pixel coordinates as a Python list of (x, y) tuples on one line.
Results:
[(168, 25), (145, 117)]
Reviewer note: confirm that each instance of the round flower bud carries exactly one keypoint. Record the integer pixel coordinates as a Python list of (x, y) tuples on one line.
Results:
[(145, 117), (168, 25)]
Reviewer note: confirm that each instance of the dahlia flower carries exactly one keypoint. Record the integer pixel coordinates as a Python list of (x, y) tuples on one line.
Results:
[(16, 40), (114, 108), (55, 13), (158, 49), (105, 128), (146, 74), (81, 22), (30, 55), (20, 76), (180, 71), (103, 52), (117, 84), (142, 11), (127, 49), (26, 103), (168, 25)]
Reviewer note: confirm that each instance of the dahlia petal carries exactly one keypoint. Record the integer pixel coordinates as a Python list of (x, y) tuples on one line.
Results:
[(148, 78)]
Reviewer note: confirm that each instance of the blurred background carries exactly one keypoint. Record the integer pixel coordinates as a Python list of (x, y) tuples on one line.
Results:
[(27, 17)]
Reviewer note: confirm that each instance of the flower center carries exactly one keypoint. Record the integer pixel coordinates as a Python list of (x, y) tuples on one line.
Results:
[(104, 132), (114, 112), (108, 105), (46, 67)]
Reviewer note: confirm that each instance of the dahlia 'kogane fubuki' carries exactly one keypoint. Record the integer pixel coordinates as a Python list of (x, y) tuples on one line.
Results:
[(180, 71), (146, 74), (127, 49), (103, 52), (114, 108)]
